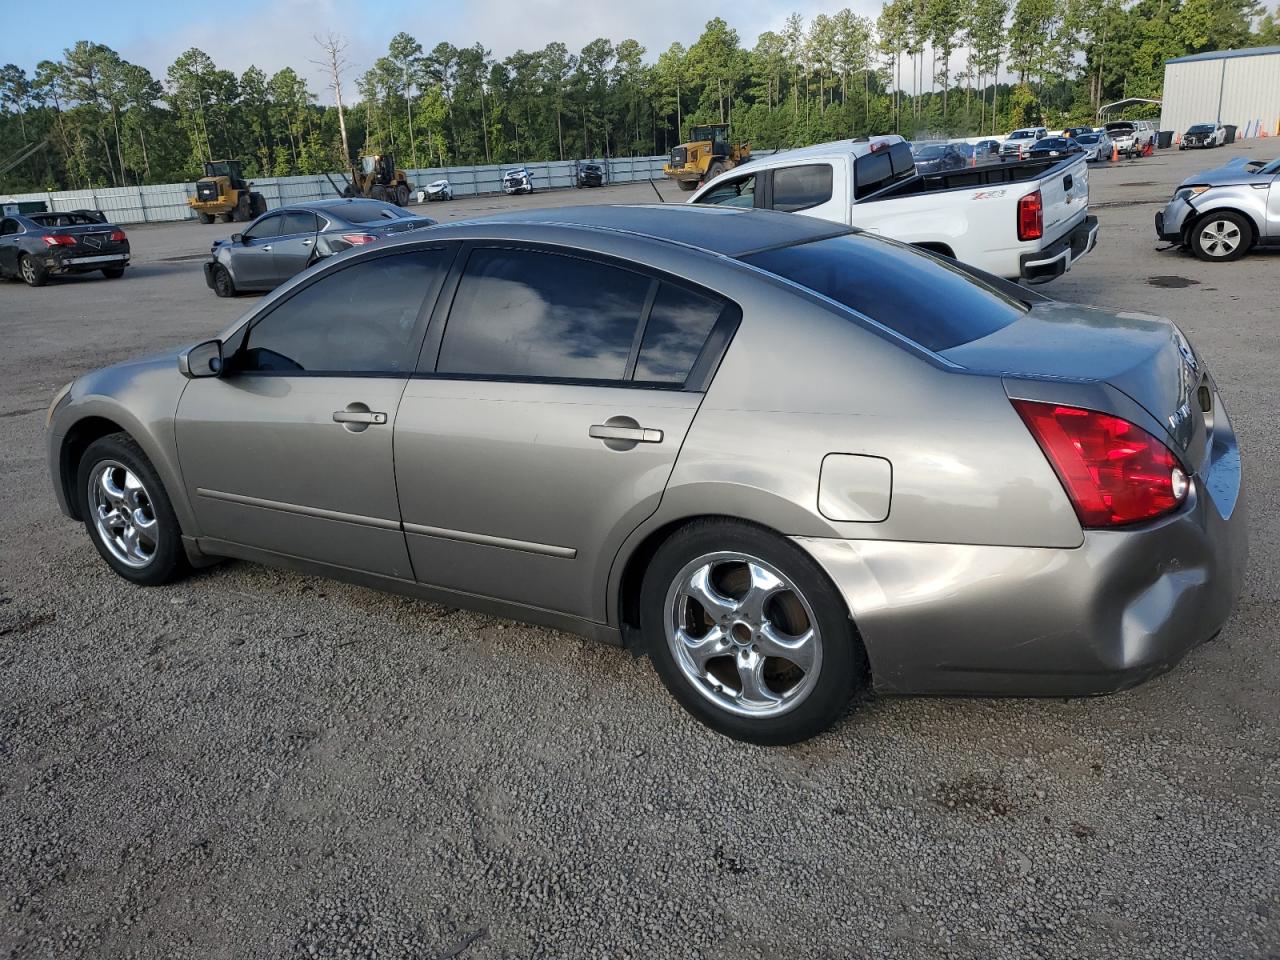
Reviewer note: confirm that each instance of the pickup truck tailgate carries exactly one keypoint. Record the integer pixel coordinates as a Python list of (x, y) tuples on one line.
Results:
[(1065, 197)]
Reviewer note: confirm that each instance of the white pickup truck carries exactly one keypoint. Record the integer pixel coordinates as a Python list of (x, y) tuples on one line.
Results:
[(1024, 220)]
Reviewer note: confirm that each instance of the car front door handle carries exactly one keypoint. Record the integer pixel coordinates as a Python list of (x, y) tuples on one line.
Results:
[(267, 247), (306, 243), (609, 431), (358, 416)]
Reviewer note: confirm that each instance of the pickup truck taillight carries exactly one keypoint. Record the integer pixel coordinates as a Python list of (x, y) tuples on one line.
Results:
[(1031, 217), (59, 240), (1114, 472)]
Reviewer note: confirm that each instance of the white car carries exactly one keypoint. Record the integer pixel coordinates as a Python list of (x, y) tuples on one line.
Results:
[(1022, 220), (517, 180), (1203, 135), (437, 190), (1018, 143), (1132, 137)]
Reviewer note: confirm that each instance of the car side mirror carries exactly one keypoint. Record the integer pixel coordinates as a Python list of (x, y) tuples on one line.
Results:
[(202, 360), (237, 238)]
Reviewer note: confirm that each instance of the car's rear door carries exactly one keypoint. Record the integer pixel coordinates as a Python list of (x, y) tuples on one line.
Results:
[(555, 393), (1273, 208), (294, 248), (252, 262), (290, 450), (809, 188), (10, 231)]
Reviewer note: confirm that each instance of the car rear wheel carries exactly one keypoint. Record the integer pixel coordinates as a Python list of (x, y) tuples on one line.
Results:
[(749, 634), (223, 285), (128, 514), (33, 272), (113, 273), (1221, 237)]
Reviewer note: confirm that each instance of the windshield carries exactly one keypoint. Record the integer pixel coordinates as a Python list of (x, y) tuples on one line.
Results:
[(930, 153), (1089, 137), (1272, 167), (1021, 135), (913, 293), (1201, 128)]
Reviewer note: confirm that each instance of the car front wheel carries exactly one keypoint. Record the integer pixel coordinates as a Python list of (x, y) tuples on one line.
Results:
[(748, 633), (127, 512), (1221, 237)]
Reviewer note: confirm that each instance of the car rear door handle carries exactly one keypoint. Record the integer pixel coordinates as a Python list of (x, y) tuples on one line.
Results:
[(306, 243), (358, 416), (609, 431)]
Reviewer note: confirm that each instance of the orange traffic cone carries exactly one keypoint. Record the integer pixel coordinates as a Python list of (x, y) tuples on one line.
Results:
[(1115, 152)]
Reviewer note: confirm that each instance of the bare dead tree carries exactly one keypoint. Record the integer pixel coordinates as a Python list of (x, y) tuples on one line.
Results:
[(334, 62)]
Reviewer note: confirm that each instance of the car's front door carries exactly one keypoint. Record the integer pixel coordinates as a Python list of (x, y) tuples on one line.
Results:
[(293, 249), (253, 264), (290, 450), (1273, 208), (547, 420)]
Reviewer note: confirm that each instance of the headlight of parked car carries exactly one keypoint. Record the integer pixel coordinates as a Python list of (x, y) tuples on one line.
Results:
[(1186, 193)]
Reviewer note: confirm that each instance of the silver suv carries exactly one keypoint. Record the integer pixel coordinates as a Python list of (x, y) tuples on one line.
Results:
[(1018, 144), (1220, 214)]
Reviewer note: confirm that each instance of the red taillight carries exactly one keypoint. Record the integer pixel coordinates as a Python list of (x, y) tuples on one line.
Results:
[(359, 239), (1114, 473), (60, 240), (117, 236), (1031, 217)]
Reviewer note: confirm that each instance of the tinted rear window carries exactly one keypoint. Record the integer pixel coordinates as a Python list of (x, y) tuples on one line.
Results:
[(911, 292), (799, 188)]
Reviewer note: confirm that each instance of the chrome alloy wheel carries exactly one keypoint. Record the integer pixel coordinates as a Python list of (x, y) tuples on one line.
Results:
[(28, 269), (123, 513), (743, 635), (1219, 238)]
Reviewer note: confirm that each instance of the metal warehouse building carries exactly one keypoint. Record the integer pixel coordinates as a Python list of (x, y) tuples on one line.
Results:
[(1241, 87)]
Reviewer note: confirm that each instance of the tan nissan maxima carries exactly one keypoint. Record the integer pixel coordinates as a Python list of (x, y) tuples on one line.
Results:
[(785, 459)]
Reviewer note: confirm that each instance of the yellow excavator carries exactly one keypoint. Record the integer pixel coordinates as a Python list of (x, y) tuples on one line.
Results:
[(708, 154), (223, 192), (378, 178)]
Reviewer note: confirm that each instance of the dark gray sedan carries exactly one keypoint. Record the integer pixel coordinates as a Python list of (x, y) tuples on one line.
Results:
[(286, 241)]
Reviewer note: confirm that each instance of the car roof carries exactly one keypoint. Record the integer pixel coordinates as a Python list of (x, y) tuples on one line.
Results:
[(728, 231), (333, 204), (835, 148)]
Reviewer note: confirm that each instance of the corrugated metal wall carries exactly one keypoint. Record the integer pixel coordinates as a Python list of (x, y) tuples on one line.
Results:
[(167, 202), (1250, 93)]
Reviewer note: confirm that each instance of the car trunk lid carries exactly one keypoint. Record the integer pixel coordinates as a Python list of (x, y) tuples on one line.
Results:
[(1146, 358)]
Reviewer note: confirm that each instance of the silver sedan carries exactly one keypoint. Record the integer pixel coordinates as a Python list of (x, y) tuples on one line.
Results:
[(787, 460)]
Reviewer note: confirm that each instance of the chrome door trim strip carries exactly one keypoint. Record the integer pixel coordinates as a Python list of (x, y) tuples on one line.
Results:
[(525, 546), (299, 509)]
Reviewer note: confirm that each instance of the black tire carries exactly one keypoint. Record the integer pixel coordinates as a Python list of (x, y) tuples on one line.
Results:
[(243, 211), (713, 171), (223, 285), (687, 186), (379, 192), (168, 560), (257, 205), (205, 217), (228, 217), (843, 665), (32, 271), (113, 273), (1211, 234), (402, 195)]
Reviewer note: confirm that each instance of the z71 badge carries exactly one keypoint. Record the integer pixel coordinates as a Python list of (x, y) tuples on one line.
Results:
[(988, 194)]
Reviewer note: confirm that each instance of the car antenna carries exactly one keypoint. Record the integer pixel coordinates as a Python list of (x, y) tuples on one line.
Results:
[(655, 190)]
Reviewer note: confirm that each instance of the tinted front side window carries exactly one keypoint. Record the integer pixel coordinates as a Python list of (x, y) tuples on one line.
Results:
[(678, 326), (361, 319), (798, 188), (735, 193), (266, 227), (906, 290), (523, 313)]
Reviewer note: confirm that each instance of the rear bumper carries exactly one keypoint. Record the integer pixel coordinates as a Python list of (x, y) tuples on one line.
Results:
[(1056, 259), (86, 263), (1026, 621)]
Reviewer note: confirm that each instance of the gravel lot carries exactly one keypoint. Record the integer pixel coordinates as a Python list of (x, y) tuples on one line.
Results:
[(258, 764)]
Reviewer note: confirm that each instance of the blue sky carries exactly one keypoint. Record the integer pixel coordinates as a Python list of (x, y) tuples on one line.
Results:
[(278, 34)]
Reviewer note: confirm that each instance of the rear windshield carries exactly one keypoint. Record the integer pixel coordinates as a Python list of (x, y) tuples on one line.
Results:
[(370, 211), (63, 219), (1022, 135), (1089, 137), (929, 153), (911, 292), (1052, 143)]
